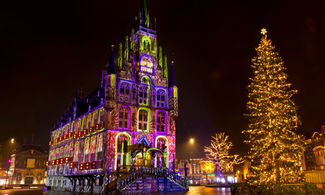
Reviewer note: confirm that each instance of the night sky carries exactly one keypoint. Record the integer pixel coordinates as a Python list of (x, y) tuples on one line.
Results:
[(49, 49)]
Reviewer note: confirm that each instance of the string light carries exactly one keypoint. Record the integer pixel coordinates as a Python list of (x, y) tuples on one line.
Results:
[(275, 148)]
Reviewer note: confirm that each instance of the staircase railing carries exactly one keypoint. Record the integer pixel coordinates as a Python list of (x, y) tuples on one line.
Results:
[(153, 172)]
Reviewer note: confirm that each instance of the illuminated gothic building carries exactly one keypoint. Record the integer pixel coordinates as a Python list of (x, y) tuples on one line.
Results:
[(126, 124)]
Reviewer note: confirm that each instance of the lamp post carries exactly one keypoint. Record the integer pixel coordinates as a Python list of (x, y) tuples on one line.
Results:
[(191, 142), (11, 151)]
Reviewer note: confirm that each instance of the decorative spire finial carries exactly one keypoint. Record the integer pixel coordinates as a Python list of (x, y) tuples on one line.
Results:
[(263, 31), (144, 14), (111, 67), (172, 80)]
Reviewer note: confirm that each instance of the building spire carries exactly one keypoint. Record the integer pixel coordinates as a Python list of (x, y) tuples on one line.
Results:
[(111, 67), (172, 81), (144, 13)]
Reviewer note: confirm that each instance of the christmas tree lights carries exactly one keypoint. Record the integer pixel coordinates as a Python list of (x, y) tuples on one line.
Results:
[(275, 149)]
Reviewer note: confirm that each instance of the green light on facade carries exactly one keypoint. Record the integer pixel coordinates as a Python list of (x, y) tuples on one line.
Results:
[(120, 56), (145, 44), (156, 51), (126, 50), (165, 67), (113, 80), (132, 39), (160, 61), (175, 92)]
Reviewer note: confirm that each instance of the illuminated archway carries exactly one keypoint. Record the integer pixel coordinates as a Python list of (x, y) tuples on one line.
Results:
[(122, 156), (158, 145), (146, 43)]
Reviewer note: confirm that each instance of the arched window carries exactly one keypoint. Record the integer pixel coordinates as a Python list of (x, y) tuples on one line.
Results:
[(122, 155), (99, 146), (71, 150), (124, 92), (69, 129), (102, 114), (78, 126), (89, 121), (93, 148), (146, 43), (76, 152), (143, 120), (123, 118), (161, 121), (86, 150), (84, 123), (161, 98), (61, 152), (95, 117), (144, 90), (66, 150), (143, 95), (57, 153), (51, 155)]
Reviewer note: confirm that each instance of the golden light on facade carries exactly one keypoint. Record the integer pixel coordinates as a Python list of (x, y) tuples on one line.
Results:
[(207, 166)]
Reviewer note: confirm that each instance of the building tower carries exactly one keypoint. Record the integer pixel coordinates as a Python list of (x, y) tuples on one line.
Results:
[(127, 124)]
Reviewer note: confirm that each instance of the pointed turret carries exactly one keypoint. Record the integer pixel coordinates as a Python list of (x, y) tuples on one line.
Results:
[(172, 81), (111, 66), (144, 14)]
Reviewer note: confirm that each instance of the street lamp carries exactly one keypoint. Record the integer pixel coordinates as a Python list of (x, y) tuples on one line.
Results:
[(192, 141), (12, 140)]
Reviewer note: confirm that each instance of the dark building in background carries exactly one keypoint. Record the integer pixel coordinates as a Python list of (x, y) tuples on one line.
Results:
[(28, 166)]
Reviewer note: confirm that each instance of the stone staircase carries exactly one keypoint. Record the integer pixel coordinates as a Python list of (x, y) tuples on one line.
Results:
[(151, 180)]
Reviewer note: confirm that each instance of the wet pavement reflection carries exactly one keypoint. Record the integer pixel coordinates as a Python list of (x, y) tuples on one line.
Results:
[(193, 190)]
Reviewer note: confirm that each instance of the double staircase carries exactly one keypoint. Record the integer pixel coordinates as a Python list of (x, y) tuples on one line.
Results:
[(149, 180)]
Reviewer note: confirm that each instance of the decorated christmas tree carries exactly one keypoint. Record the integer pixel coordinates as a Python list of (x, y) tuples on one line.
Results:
[(275, 148)]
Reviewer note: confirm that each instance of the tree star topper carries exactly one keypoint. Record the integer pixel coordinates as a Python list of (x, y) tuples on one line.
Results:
[(263, 31)]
